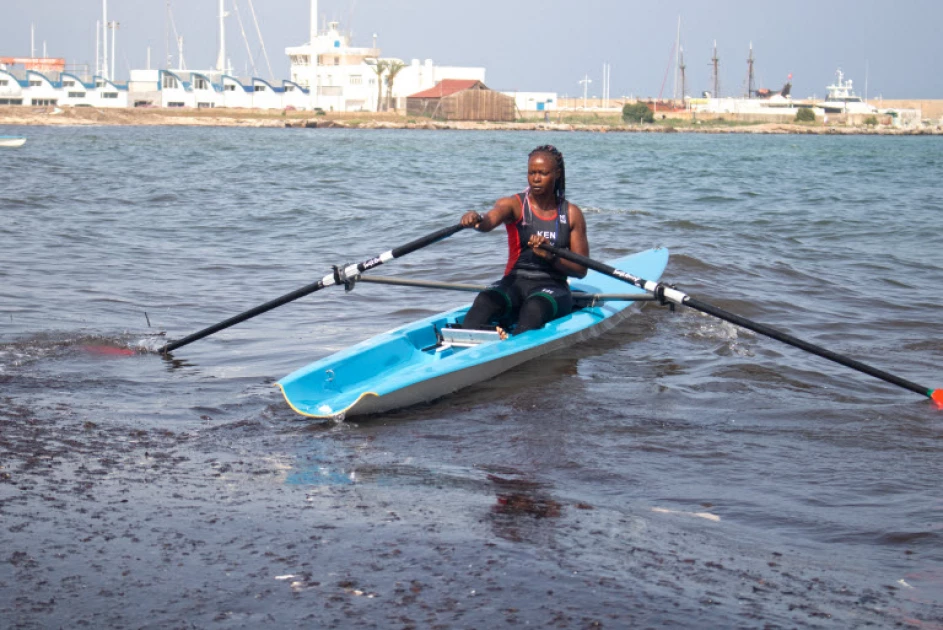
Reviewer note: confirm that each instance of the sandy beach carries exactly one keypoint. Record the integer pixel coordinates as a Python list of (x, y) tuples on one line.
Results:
[(219, 117)]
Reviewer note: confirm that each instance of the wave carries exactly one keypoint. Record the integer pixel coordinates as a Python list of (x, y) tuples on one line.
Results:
[(60, 345)]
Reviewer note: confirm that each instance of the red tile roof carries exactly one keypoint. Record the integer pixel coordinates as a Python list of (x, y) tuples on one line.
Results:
[(447, 87)]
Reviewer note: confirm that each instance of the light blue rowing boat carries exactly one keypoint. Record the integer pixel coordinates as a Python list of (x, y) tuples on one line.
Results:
[(427, 359)]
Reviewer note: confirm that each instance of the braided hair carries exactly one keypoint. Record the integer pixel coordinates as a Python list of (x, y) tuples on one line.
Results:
[(559, 186)]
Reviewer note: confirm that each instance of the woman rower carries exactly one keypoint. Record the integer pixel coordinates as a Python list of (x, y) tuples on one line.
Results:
[(534, 288)]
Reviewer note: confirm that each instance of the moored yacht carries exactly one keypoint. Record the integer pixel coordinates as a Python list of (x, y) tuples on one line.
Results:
[(841, 99)]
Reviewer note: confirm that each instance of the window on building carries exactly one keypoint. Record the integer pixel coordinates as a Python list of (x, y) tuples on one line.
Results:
[(68, 84), (259, 88), (11, 101), (76, 94), (43, 102), (109, 95), (170, 83), (174, 104), (35, 83), (200, 83), (356, 79), (204, 105), (4, 82), (337, 61), (229, 87)]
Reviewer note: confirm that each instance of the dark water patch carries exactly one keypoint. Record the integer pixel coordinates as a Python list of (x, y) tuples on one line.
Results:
[(715, 200), (688, 226)]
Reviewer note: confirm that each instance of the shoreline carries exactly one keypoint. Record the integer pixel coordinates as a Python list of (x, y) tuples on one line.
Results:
[(32, 116)]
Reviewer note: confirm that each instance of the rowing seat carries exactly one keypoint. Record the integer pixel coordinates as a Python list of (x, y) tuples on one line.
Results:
[(466, 338)]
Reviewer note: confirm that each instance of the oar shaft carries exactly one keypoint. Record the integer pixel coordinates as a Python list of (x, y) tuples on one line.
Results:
[(425, 284), (339, 276), (258, 310), (478, 288), (673, 295)]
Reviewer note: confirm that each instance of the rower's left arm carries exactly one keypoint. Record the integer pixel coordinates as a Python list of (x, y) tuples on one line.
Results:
[(579, 244)]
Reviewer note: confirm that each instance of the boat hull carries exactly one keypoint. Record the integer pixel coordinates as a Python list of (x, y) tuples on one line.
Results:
[(12, 141), (405, 367)]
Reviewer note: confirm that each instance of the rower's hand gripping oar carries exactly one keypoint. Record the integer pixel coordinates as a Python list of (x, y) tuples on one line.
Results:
[(669, 295), (346, 276)]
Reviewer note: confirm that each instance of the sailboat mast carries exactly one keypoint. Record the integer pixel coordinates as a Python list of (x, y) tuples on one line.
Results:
[(751, 82), (715, 60), (221, 60), (674, 89), (313, 63), (105, 39)]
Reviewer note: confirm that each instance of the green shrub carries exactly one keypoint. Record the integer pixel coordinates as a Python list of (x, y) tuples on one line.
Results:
[(634, 112), (871, 121), (805, 114)]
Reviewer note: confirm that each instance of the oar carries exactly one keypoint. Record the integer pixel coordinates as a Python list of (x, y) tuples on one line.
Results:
[(667, 294), (345, 275)]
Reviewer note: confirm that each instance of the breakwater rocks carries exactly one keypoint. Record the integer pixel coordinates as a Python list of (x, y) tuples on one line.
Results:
[(762, 128), (55, 116)]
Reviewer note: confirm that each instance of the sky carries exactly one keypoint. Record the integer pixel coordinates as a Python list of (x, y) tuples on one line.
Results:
[(890, 49)]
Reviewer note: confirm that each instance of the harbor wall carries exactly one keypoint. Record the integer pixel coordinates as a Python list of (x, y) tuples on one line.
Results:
[(931, 109)]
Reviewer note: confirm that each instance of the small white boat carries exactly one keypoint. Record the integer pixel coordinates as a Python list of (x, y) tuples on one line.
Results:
[(12, 141)]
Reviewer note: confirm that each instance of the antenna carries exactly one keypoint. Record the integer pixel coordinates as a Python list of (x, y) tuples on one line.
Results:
[(751, 83), (681, 68)]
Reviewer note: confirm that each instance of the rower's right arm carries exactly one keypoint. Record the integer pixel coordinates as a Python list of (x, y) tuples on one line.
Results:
[(505, 210)]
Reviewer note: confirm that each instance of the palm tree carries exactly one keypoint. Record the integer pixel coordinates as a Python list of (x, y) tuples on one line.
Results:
[(380, 67), (392, 70)]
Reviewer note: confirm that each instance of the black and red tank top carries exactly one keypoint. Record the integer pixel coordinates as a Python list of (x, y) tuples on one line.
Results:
[(521, 259)]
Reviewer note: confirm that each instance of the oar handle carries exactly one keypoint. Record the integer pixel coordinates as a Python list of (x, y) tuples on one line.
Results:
[(669, 294), (339, 276)]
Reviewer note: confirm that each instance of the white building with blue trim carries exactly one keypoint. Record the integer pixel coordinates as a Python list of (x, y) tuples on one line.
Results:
[(52, 89)]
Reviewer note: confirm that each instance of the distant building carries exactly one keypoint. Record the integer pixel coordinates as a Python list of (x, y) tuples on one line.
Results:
[(184, 88), (534, 101), (344, 78), (56, 88), (457, 99)]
